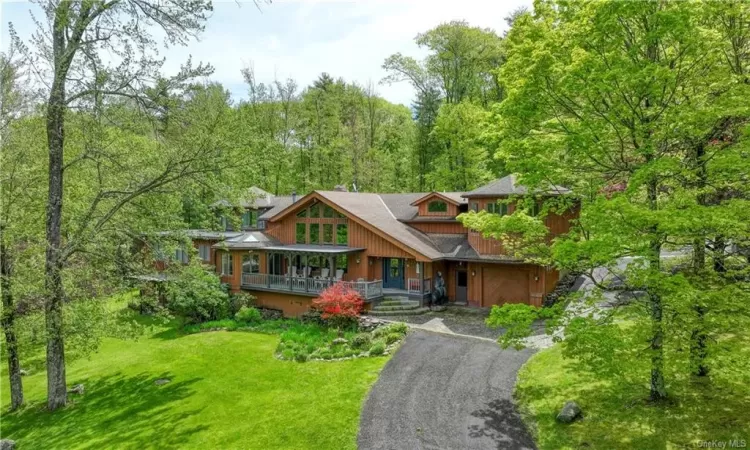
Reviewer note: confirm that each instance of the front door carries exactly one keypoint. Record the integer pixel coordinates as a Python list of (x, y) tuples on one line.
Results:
[(461, 286), (393, 273)]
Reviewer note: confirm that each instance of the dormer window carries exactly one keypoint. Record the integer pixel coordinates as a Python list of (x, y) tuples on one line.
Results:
[(437, 206)]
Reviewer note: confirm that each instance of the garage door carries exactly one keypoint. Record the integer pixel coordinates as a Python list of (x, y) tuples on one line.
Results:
[(504, 284)]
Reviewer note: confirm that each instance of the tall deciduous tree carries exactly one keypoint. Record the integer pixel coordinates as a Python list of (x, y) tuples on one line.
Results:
[(67, 55), (613, 99)]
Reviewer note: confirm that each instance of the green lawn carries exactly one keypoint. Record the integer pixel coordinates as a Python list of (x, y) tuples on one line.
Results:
[(616, 415), (227, 391)]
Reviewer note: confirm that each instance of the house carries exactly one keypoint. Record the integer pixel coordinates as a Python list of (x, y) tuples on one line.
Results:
[(379, 244)]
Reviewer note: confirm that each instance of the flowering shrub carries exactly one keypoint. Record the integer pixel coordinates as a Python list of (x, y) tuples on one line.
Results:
[(339, 305)]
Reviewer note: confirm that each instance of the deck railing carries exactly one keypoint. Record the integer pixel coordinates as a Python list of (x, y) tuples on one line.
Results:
[(413, 285), (367, 289)]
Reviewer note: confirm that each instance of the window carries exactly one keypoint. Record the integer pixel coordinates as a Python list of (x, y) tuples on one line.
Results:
[(261, 224), (327, 212), (250, 219), (250, 264), (181, 255), (475, 206), (225, 224), (302, 213), (342, 235), (534, 210), (159, 254), (497, 208), (301, 233), (328, 233), (315, 211), (226, 264), (315, 233), (437, 206), (338, 215), (204, 250)]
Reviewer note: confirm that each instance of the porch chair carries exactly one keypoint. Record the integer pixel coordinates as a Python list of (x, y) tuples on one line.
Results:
[(324, 272), (339, 274)]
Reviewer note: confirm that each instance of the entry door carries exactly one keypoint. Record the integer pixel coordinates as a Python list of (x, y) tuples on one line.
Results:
[(393, 273), (462, 280)]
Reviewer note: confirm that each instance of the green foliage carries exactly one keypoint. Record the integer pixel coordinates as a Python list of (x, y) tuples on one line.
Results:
[(248, 314), (240, 300), (377, 349), (517, 319), (392, 338), (196, 295), (361, 341)]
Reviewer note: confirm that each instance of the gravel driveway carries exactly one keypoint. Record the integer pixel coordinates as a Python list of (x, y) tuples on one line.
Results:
[(445, 392)]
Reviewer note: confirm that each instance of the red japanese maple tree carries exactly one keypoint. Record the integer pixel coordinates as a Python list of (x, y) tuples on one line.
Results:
[(339, 304)]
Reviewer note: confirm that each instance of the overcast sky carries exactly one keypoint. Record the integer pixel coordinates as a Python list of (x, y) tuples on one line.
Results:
[(305, 38)]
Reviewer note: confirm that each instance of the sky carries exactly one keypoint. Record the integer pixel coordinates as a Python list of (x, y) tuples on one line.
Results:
[(302, 39)]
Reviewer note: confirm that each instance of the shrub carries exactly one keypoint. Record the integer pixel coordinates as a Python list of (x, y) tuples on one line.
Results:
[(393, 337), (340, 305), (300, 357), (271, 314), (248, 315), (196, 295), (377, 349), (400, 328), (312, 316), (361, 340), (240, 300)]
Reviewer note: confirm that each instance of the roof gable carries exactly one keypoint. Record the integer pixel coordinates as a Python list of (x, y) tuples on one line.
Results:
[(450, 197)]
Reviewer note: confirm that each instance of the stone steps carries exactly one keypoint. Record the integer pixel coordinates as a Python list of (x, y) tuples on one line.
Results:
[(399, 307), (404, 312)]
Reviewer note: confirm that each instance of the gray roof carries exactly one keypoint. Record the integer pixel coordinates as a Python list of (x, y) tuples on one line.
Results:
[(255, 198), (248, 240), (279, 203), (508, 186), (312, 248), (372, 209), (456, 246), (400, 204), (455, 196)]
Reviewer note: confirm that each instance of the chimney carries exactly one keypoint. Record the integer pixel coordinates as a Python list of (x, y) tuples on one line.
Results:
[(340, 188), (294, 196)]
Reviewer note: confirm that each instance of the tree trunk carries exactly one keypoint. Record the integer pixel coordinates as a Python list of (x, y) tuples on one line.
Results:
[(56, 389), (8, 322), (698, 337), (658, 386)]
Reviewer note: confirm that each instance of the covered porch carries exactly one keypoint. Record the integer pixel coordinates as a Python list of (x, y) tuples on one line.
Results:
[(307, 270)]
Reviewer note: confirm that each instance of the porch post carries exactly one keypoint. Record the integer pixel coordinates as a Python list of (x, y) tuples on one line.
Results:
[(421, 282), (332, 272), (305, 270), (289, 268), (268, 269)]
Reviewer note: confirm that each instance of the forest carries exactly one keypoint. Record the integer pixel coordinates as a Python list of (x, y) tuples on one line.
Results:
[(640, 108)]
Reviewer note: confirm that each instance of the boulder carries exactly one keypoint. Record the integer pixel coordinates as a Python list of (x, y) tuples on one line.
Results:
[(570, 413), (162, 381), (339, 341), (367, 323), (7, 444), (77, 389), (23, 372)]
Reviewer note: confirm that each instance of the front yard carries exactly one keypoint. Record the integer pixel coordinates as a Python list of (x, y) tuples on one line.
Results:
[(616, 415), (227, 390)]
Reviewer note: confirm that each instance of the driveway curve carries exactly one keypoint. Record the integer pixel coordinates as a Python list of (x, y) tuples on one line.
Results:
[(445, 392)]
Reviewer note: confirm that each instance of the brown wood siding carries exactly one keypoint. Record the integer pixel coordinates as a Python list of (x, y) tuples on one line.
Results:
[(292, 305), (361, 237), (485, 246), (439, 227)]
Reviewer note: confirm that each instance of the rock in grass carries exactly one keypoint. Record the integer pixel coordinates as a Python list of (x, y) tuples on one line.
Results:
[(162, 381), (7, 444), (23, 372), (569, 413), (339, 341), (77, 389)]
